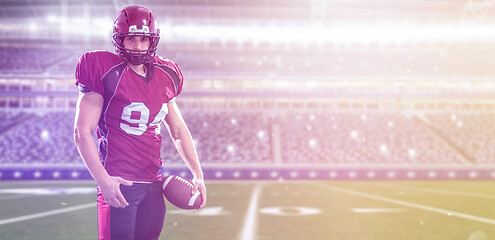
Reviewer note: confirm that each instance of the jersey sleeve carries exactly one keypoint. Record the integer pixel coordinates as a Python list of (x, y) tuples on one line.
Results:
[(181, 77), (88, 76), (173, 70)]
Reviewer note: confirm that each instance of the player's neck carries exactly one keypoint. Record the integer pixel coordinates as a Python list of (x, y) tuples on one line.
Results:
[(139, 69)]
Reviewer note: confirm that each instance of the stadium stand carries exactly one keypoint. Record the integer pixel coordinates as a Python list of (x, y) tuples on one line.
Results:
[(307, 138), (239, 137), (371, 138), (225, 137), (278, 96), (27, 61), (38, 140), (9, 119), (472, 134)]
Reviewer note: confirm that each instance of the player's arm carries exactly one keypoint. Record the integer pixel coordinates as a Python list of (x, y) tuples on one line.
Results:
[(179, 132), (88, 112)]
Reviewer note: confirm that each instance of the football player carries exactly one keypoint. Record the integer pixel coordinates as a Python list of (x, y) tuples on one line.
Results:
[(127, 96)]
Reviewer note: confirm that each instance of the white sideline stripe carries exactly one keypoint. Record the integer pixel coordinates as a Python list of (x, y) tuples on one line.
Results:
[(377, 210), (46, 214), (447, 192), (17, 196), (413, 205), (249, 228)]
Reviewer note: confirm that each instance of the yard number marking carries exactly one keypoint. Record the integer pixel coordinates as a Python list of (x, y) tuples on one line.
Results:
[(290, 211)]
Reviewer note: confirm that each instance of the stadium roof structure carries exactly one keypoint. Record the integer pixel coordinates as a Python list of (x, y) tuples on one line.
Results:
[(297, 21), (423, 10), (396, 38)]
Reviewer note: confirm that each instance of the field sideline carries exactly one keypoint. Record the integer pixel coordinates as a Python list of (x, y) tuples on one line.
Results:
[(263, 210)]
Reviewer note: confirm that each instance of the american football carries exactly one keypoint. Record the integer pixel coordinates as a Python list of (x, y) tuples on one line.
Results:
[(177, 191)]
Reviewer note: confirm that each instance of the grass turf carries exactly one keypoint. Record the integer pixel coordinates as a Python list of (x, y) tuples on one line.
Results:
[(340, 210)]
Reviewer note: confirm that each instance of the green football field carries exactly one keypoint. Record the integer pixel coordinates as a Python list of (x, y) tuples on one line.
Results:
[(330, 210)]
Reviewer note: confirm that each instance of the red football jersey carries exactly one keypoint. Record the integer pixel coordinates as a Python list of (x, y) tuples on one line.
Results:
[(134, 107)]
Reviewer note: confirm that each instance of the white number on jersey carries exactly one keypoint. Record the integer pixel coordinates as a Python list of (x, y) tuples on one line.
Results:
[(142, 122)]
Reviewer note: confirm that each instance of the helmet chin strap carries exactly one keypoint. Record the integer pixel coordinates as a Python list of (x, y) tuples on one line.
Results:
[(136, 57)]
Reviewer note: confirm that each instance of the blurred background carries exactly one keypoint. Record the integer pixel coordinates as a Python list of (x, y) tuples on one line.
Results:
[(274, 89)]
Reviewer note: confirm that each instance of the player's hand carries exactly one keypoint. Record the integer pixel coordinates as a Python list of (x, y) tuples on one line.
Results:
[(199, 185), (112, 194)]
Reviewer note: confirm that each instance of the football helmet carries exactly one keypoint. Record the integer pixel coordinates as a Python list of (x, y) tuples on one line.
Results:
[(135, 21)]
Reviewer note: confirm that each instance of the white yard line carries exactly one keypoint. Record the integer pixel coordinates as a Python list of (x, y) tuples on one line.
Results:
[(378, 210), (249, 227), (17, 196), (412, 205), (45, 214), (443, 191)]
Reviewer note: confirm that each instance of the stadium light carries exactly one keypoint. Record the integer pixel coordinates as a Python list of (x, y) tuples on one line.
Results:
[(390, 123), (383, 148), (363, 117), (77, 26), (52, 18), (275, 33), (45, 135), (339, 33), (261, 134), (412, 153), (313, 143), (354, 134), (33, 26), (231, 148)]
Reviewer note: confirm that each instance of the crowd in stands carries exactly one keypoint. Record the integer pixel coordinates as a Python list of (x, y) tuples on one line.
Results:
[(39, 139), (230, 136), (225, 137), (471, 134), (33, 61), (306, 138), (10, 119), (220, 137), (371, 138)]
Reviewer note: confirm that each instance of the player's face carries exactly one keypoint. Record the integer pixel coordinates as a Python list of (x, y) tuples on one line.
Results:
[(137, 43)]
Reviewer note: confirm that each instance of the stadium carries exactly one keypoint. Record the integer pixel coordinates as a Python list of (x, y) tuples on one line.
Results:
[(313, 119)]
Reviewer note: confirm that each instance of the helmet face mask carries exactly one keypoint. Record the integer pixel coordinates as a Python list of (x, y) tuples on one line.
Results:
[(135, 21)]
